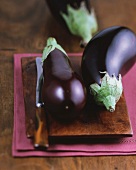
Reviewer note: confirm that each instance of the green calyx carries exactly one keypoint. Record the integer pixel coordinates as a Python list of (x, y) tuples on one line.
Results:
[(50, 46), (109, 92), (80, 22)]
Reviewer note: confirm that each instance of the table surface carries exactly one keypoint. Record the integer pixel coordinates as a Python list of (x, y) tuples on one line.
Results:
[(24, 28)]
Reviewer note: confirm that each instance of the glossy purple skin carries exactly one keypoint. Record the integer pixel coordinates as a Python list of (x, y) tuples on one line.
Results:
[(112, 50), (63, 90)]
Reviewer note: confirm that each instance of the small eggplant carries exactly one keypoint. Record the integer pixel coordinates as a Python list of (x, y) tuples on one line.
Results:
[(77, 16), (63, 91), (108, 55)]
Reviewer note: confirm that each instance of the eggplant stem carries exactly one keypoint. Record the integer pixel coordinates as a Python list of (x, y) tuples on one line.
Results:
[(80, 22), (51, 45), (108, 93)]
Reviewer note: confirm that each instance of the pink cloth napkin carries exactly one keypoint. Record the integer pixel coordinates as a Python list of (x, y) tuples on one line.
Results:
[(22, 146)]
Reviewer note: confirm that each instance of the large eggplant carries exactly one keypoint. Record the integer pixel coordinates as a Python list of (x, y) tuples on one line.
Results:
[(108, 55), (63, 91), (77, 16)]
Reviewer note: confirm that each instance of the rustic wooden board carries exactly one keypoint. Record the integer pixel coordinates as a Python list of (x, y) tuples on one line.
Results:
[(94, 122)]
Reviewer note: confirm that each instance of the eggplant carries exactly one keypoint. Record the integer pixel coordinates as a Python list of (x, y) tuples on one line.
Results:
[(108, 56), (63, 90), (77, 16)]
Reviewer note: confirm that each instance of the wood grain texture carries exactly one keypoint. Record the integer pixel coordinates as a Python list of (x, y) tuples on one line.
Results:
[(24, 27)]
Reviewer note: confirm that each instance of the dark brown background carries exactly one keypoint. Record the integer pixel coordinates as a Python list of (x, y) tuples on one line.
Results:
[(24, 28)]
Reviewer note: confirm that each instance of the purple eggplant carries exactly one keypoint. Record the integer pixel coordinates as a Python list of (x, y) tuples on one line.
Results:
[(63, 91), (110, 53), (77, 16)]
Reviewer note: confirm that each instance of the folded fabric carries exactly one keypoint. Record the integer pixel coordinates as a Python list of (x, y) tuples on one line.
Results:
[(23, 146)]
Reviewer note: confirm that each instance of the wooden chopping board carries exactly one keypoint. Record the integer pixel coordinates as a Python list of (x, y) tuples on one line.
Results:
[(93, 122)]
